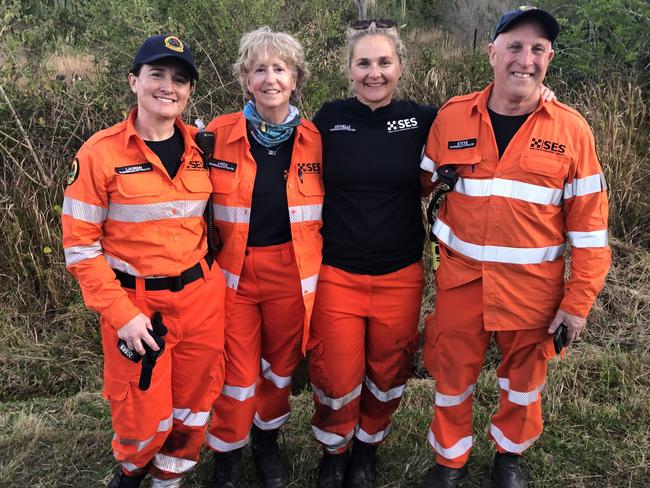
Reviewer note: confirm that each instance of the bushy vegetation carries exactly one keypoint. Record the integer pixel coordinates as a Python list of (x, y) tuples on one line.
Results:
[(63, 68)]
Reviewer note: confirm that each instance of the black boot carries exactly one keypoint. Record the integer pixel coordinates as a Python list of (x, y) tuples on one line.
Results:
[(444, 477), (331, 470), (506, 472), (227, 466), (362, 470), (266, 457), (123, 480)]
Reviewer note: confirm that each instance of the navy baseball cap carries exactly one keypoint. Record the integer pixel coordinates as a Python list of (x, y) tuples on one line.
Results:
[(510, 19), (161, 47)]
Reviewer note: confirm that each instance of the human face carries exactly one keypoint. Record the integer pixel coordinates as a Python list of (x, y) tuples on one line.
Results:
[(520, 58), (271, 81), (375, 70), (162, 90)]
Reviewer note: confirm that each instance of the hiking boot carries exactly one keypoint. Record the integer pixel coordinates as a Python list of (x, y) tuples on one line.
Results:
[(506, 472), (227, 467), (331, 470), (123, 480), (362, 469), (266, 457), (445, 477)]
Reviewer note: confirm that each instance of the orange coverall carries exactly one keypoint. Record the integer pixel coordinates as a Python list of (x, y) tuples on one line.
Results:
[(121, 211), (503, 232), (270, 292)]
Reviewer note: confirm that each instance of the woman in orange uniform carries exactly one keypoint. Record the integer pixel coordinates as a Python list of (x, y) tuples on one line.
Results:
[(134, 237), (268, 195)]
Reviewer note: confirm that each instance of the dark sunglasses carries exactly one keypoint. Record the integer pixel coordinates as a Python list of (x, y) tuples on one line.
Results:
[(380, 23)]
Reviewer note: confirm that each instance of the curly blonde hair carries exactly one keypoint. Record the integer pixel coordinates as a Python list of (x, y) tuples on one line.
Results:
[(264, 42)]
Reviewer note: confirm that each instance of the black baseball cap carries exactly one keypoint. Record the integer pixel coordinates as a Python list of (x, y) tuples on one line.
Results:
[(510, 19), (167, 46)]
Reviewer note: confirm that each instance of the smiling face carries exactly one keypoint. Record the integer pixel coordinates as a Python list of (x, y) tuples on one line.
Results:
[(520, 58), (271, 81), (162, 90), (375, 69)]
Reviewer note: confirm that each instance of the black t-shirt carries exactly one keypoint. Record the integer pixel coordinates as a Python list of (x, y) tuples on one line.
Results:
[(170, 151), (269, 223), (372, 218), (505, 127)]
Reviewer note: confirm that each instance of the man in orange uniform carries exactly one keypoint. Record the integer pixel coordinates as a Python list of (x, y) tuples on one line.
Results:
[(529, 181), (134, 238)]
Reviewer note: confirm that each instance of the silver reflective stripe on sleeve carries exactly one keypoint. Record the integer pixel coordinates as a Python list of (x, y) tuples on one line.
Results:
[(117, 263), (595, 238), (235, 215), (147, 212), (428, 165), (76, 254), (305, 213), (517, 190), (496, 254), (336, 403), (585, 186), (86, 212), (232, 280)]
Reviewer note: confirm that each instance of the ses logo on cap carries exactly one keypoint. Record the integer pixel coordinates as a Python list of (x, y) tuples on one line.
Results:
[(174, 43)]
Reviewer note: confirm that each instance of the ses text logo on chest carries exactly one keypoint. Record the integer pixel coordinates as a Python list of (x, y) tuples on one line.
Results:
[(402, 124)]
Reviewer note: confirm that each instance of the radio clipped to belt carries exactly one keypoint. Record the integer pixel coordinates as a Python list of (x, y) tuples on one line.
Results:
[(205, 141), (447, 178)]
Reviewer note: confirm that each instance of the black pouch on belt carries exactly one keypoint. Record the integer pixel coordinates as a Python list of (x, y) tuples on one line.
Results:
[(150, 356)]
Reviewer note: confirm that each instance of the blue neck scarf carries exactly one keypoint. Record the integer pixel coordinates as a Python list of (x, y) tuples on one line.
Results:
[(266, 133)]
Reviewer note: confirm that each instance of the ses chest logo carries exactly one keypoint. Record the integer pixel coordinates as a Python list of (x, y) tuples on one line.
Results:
[(401, 125)]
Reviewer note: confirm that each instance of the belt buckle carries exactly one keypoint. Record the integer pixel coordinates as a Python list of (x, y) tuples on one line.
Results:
[(176, 283)]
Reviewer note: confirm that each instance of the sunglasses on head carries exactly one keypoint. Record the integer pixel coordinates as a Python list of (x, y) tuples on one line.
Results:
[(380, 23)]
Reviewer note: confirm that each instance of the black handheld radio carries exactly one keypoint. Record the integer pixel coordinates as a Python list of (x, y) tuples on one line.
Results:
[(205, 141)]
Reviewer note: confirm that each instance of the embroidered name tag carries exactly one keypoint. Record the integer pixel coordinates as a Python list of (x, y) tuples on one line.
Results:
[(225, 165), (134, 168), (465, 143)]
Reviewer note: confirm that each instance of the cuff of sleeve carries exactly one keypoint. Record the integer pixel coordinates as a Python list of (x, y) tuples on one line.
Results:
[(120, 313), (571, 306)]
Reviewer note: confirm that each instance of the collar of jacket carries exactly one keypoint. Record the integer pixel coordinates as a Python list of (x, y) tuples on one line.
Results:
[(130, 132), (480, 104)]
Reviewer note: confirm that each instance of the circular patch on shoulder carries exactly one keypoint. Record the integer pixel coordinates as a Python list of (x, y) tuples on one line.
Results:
[(73, 171), (174, 43)]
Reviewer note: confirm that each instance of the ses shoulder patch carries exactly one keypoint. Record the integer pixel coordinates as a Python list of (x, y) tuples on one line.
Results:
[(73, 171)]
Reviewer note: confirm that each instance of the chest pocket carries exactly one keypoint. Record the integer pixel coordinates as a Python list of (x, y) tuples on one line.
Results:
[(466, 161), (223, 180), (311, 185), (136, 185), (545, 167), (197, 182)]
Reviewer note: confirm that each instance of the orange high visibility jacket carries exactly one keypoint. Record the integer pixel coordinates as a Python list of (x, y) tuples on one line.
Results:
[(508, 220), (121, 210), (233, 171)]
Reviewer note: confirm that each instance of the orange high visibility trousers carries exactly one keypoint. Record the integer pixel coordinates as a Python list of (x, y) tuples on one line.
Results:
[(454, 350), (363, 336), (263, 347), (161, 430)]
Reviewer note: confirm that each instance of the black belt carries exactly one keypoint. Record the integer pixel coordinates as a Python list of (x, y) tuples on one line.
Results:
[(172, 283)]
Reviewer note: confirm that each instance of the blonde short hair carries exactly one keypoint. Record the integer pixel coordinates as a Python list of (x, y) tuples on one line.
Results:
[(264, 42), (354, 35)]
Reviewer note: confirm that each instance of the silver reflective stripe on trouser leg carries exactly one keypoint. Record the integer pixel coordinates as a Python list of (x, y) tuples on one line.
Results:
[(172, 464), (331, 441), (172, 483)]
